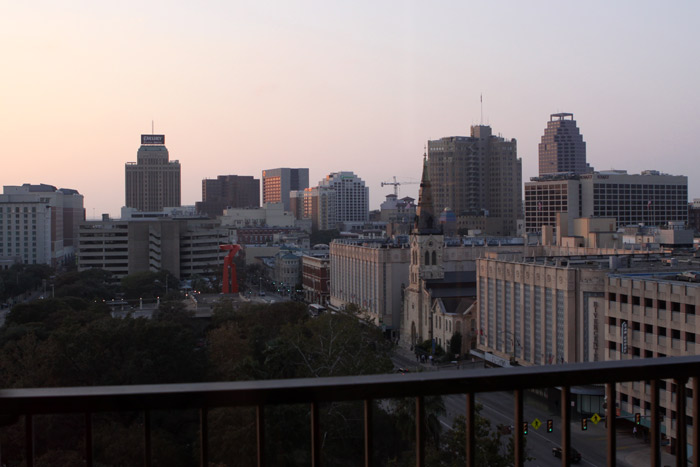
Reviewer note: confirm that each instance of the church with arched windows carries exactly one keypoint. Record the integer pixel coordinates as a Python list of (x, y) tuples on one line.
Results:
[(441, 295)]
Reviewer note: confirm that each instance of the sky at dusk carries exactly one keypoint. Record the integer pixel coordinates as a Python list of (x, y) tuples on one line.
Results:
[(239, 87)]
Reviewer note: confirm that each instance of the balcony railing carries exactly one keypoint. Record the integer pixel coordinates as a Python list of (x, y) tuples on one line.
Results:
[(205, 396)]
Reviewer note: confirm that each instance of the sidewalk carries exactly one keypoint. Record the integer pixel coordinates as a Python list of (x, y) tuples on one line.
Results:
[(638, 453)]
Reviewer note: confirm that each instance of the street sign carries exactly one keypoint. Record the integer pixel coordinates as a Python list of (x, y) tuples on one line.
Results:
[(536, 424), (596, 418)]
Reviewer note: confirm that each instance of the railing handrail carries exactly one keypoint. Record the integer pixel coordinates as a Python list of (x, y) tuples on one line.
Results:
[(347, 388)]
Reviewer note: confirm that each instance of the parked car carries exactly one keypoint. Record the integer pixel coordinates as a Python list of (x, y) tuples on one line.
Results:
[(575, 455)]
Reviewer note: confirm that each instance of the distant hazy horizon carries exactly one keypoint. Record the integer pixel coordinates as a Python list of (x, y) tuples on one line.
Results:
[(240, 87)]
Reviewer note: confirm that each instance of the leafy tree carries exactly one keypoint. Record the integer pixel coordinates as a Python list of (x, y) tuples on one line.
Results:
[(22, 278), (491, 448), (330, 345), (148, 284), (91, 284)]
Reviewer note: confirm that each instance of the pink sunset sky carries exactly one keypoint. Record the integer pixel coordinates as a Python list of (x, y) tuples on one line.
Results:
[(239, 87)]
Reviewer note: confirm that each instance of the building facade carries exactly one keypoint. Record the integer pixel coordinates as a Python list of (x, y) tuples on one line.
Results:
[(649, 198), (437, 304), (479, 175), (270, 215), (228, 191), (339, 198), (648, 316), (541, 312), (278, 183), (562, 148), (153, 181), (371, 275), (316, 278), (39, 224), (183, 247)]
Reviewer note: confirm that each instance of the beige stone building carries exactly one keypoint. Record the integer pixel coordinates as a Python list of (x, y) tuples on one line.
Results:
[(541, 311), (652, 315), (372, 275)]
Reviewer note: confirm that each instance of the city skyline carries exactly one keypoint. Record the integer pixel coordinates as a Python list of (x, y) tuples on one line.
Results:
[(239, 88)]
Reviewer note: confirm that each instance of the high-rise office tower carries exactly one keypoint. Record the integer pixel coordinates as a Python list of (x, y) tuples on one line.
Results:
[(228, 191), (562, 148), (277, 183), (40, 224), (340, 198), (649, 198), (153, 181), (477, 175)]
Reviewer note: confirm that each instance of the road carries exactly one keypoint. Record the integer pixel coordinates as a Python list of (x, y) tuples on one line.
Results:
[(498, 408)]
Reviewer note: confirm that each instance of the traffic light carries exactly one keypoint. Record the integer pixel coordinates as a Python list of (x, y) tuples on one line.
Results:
[(550, 425), (637, 418), (524, 428), (584, 424)]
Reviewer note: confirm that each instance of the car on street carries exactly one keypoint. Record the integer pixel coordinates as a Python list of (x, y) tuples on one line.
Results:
[(575, 455)]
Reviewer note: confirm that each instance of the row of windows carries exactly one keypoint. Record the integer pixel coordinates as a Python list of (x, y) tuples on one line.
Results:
[(649, 302)]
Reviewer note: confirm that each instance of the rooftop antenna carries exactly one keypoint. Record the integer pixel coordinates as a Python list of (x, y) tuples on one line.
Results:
[(153, 131), (481, 99)]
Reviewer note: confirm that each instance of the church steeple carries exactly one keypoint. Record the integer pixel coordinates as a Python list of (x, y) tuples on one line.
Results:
[(426, 221)]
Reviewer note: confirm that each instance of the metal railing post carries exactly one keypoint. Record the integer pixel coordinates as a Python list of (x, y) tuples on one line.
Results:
[(519, 435), (29, 440), (369, 449), (655, 425), (147, 438), (565, 426), (315, 436), (681, 436), (696, 420), (610, 421), (471, 435), (88, 439), (260, 433), (420, 432), (204, 437)]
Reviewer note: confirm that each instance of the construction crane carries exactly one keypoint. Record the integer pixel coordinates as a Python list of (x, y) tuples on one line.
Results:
[(396, 185)]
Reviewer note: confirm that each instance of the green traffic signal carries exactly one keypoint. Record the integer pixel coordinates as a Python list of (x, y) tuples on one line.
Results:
[(524, 428), (550, 425), (584, 424)]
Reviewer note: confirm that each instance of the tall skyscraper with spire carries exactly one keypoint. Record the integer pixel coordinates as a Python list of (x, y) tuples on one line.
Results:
[(562, 148)]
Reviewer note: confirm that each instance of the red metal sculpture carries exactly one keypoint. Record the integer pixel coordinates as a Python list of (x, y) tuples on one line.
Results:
[(230, 280)]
